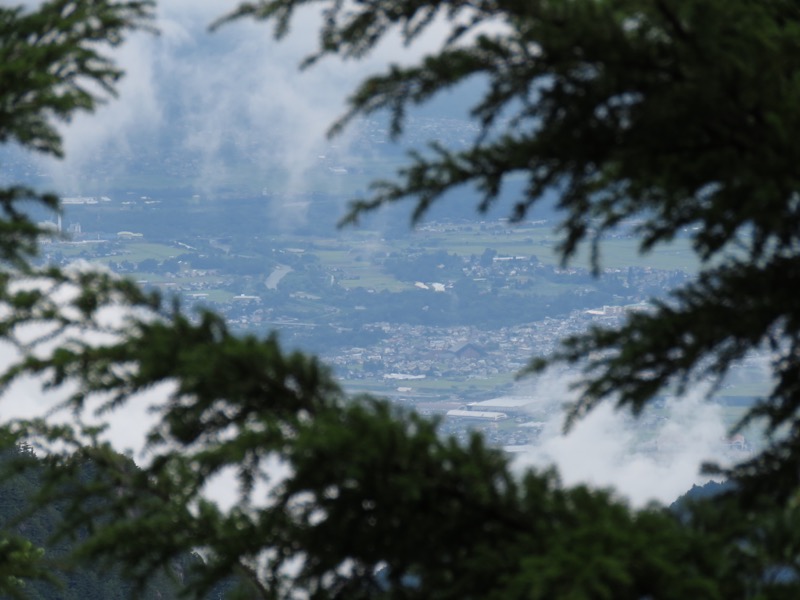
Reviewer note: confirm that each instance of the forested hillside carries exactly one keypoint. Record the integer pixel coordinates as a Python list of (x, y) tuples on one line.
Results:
[(46, 528)]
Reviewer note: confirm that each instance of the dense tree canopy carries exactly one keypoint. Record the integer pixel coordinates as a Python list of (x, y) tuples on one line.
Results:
[(51, 66), (677, 113)]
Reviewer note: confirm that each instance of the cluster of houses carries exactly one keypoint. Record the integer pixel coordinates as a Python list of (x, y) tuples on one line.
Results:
[(462, 351)]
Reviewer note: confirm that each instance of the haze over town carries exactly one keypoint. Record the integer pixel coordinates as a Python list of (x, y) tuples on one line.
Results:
[(211, 178)]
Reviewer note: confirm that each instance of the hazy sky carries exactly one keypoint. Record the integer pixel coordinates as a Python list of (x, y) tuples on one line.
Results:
[(236, 81)]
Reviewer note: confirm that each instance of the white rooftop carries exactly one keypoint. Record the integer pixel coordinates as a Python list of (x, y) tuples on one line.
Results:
[(505, 402), (477, 414)]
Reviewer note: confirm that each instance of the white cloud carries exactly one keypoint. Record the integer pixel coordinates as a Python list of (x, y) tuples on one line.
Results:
[(30, 397), (656, 457), (236, 81), (206, 88)]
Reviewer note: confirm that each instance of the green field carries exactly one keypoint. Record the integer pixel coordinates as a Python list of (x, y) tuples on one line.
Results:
[(354, 256), (356, 268), (540, 241), (434, 387), (136, 252)]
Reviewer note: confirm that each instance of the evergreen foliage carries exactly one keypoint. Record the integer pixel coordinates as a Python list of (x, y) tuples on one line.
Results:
[(679, 113), (51, 63), (49, 565), (51, 67)]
